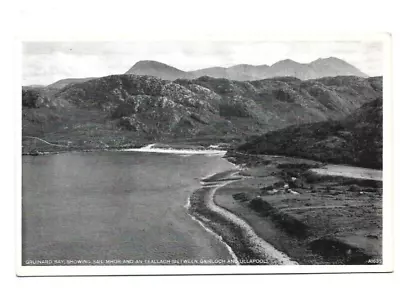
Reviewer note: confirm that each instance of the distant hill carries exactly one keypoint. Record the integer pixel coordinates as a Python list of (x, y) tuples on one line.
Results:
[(327, 67), (64, 82), (317, 69), (120, 110), (33, 86), (157, 69), (289, 67), (334, 66), (354, 140)]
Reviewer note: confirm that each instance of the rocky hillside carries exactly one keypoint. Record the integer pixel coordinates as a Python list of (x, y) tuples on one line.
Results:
[(354, 140), (319, 68), (120, 110)]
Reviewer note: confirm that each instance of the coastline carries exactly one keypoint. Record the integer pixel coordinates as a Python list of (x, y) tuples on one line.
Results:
[(242, 208), (219, 149), (74, 150), (232, 230)]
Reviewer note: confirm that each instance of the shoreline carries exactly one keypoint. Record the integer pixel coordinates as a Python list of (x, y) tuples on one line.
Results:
[(231, 252), (217, 149), (232, 230)]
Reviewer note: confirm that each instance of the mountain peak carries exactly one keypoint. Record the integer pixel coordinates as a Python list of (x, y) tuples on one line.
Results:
[(286, 64), (332, 66), (329, 59), (148, 62), (285, 61), (157, 69)]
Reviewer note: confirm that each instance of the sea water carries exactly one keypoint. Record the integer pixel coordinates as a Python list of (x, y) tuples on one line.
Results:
[(113, 208)]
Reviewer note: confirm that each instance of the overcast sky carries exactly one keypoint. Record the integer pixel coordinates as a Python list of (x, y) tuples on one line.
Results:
[(45, 63)]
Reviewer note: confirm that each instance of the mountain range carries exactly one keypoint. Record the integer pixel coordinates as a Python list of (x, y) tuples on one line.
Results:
[(323, 67), (319, 68)]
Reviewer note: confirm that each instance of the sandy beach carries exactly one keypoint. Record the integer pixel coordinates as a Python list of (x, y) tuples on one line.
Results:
[(239, 235)]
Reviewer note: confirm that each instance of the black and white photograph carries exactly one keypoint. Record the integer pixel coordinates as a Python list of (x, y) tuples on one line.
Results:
[(204, 156)]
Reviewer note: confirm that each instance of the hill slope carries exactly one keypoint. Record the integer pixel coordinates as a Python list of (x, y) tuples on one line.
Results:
[(354, 140), (120, 110)]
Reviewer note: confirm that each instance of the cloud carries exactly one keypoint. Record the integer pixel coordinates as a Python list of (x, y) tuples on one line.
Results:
[(45, 69), (47, 62)]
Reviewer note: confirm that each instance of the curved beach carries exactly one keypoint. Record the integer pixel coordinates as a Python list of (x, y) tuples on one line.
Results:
[(234, 231)]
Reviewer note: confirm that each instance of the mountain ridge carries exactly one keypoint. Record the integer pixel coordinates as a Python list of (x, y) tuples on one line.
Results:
[(322, 67)]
